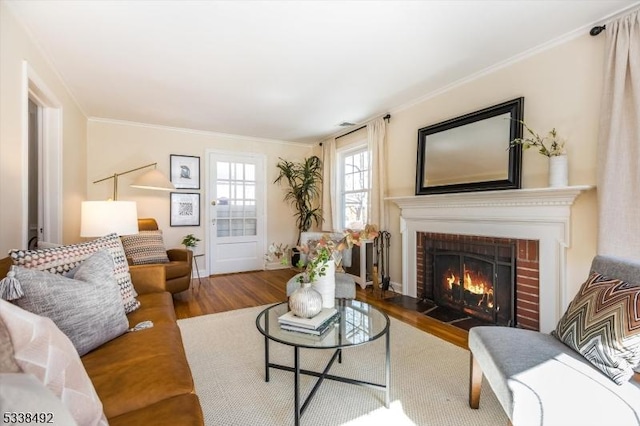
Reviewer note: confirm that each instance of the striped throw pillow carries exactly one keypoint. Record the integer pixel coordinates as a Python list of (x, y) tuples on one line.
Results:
[(602, 323), (145, 248), (61, 260)]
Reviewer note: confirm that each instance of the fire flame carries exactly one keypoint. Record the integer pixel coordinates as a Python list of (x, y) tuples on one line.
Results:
[(451, 280), (480, 287)]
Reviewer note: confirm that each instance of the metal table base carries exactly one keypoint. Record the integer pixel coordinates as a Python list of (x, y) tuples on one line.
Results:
[(299, 409)]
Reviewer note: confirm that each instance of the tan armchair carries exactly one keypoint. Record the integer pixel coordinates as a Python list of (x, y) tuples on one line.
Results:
[(178, 270)]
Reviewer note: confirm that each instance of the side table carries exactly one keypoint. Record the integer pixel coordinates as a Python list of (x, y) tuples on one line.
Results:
[(195, 266)]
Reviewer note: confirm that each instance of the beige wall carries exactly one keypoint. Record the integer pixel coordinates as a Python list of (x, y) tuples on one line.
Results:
[(15, 48), (562, 88), (119, 146)]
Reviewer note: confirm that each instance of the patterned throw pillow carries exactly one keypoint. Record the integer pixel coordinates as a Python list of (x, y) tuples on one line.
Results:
[(43, 350), (24, 393), (88, 309), (7, 362), (145, 248), (602, 323), (60, 260)]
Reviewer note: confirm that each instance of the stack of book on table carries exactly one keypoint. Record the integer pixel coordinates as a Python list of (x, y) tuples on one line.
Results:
[(316, 325)]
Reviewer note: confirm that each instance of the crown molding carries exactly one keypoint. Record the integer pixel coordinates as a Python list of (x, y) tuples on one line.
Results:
[(193, 131)]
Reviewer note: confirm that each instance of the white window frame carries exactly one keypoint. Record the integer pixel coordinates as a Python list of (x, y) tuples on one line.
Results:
[(342, 153)]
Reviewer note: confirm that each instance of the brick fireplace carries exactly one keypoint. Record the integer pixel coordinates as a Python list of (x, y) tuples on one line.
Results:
[(536, 220), (518, 302)]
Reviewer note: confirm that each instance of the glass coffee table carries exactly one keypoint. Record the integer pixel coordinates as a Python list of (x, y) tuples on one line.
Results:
[(359, 324)]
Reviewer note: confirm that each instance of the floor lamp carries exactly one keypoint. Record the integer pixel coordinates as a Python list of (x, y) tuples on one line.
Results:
[(100, 218), (153, 179)]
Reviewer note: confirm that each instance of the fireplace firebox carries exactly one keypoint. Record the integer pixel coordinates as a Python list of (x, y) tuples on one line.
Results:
[(474, 279)]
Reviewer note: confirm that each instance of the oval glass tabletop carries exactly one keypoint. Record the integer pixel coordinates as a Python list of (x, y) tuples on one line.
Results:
[(359, 323)]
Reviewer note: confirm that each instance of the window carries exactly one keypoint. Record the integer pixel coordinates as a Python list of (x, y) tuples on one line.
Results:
[(354, 187), (236, 196)]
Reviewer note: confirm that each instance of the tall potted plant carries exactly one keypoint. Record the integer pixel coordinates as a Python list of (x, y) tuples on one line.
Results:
[(303, 181)]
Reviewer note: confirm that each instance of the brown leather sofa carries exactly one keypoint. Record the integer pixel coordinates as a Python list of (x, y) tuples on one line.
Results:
[(142, 377), (178, 270)]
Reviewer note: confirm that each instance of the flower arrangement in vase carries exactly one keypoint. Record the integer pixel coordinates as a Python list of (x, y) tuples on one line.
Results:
[(316, 265), (276, 252), (551, 146), (325, 258), (328, 249), (276, 256)]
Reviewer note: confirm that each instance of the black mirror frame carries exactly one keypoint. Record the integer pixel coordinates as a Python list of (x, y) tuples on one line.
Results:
[(516, 108)]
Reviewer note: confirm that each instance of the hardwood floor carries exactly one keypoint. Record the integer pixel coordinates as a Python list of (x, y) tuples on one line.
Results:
[(222, 293)]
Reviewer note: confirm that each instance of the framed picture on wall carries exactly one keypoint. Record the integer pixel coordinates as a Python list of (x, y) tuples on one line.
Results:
[(185, 171), (185, 209)]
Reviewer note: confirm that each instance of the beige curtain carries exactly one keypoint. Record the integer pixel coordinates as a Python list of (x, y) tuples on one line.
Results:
[(376, 135), (329, 200), (619, 141)]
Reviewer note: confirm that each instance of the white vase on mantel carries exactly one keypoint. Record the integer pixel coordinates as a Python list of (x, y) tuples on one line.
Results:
[(326, 285), (558, 171)]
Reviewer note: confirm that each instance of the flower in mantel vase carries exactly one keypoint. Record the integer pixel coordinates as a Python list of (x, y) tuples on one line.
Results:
[(550, 145)]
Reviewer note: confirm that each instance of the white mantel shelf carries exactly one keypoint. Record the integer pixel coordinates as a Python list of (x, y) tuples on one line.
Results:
[(542, 214), (512, 197)]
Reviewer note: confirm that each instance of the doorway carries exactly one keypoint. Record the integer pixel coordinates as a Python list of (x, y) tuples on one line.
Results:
[(35, 208), (236, 195), (42, 172)]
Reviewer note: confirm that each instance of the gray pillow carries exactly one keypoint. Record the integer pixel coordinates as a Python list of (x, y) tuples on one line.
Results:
[(88, 308)]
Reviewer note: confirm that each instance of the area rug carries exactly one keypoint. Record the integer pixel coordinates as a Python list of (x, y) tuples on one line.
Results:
[(429, 378)]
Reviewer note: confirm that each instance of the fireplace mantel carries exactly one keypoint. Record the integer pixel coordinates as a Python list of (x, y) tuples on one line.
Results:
[(542, 214)]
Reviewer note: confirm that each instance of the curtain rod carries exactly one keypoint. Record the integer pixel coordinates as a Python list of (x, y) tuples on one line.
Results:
[(597, 30), (351, 131), (386, 117)]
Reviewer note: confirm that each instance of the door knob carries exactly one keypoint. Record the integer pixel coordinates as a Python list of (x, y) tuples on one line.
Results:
[(213, 203)]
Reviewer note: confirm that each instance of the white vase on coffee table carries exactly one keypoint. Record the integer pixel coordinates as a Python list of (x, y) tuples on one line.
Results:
[(326, 284), (305, 302)]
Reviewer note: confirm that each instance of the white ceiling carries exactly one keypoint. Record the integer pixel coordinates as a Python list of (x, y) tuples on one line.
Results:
[(283, 70)]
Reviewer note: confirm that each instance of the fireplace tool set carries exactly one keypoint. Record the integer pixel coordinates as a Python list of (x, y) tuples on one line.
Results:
[(380, 270)]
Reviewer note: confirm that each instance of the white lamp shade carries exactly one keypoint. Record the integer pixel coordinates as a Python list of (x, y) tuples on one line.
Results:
[(100, 218), (153, 179)]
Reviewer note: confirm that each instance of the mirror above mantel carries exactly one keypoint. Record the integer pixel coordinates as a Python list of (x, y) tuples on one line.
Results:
[(471, 152)]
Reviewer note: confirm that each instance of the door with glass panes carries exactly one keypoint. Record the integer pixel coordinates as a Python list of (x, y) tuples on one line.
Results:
[(236, 212)]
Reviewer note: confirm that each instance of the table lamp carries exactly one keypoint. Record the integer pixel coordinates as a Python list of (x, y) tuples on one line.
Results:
[(100, 218)]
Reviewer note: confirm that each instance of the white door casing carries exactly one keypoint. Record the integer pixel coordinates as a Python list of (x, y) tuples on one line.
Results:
[(51, 160)]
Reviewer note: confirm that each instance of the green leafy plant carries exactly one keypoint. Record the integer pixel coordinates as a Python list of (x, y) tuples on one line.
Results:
[(190, 241), (303, 183), (316, 267), (550, 145)]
